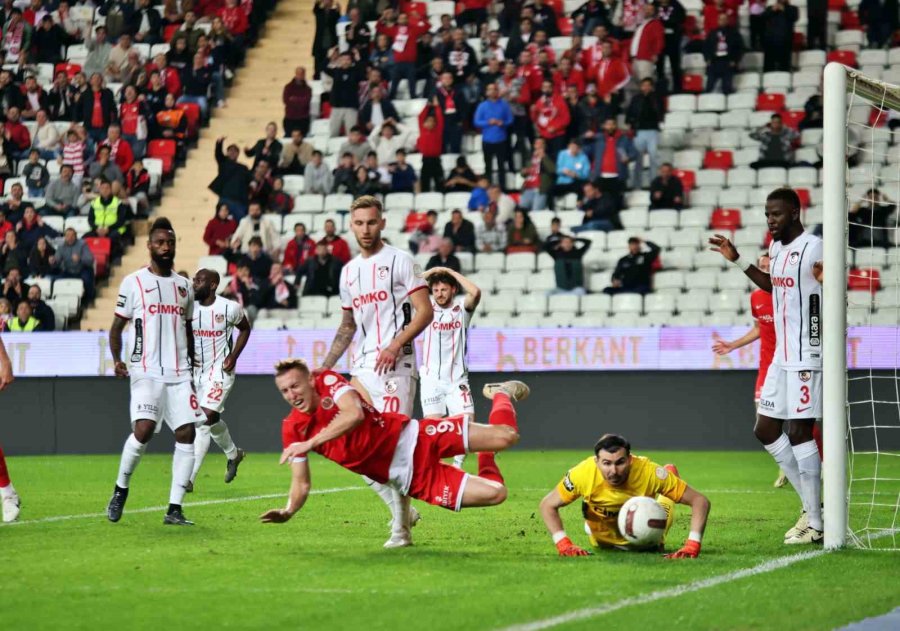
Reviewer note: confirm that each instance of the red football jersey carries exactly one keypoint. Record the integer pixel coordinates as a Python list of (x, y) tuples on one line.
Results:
[(367, 450), (761, 308)]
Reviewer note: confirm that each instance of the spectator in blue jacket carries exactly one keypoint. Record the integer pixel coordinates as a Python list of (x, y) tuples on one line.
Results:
[(494, 116), (613, 152), (573, 168)]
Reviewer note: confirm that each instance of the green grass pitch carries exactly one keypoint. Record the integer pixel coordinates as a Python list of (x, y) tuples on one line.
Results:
[(481, 569)]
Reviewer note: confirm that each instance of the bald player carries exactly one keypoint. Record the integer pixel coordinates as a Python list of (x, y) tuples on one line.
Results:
[(214, 322)]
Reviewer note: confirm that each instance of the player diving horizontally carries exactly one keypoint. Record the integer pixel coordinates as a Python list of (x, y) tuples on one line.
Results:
[(792, 390), (331, 418), (384, 296), (609, 479), (215, 319), (159, 304), (444, 373)]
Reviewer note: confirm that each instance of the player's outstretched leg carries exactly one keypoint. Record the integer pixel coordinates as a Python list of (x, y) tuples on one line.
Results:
[(132, 452), (222, 437), (182, 466), (8, 495), (400, 522), (201, 446)]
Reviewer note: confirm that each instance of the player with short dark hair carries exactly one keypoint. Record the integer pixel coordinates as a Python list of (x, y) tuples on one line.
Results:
[(330, 417), (609, 479), (444, 373), (792, 390), (159, 306), (213, 325)]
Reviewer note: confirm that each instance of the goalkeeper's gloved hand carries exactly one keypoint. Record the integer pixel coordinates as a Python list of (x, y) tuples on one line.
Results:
[(568, 549), (690, 550)]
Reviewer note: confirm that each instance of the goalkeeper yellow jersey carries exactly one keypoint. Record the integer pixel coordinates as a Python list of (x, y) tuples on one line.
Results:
[(601, 502)]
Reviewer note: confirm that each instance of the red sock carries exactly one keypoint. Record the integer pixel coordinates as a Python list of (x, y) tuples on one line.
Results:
[(817, 436), (4, 474), (502, 412), (487, 467)]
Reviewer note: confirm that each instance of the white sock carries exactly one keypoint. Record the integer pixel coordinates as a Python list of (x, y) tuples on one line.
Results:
[(7, 491), (220, 434), (132, 453), (182, 465), (807, 455), (400, 513), (201, 446), (384, 492), (783, 454)]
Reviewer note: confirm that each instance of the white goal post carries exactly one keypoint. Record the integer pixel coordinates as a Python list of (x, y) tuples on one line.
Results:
[(861, 412)]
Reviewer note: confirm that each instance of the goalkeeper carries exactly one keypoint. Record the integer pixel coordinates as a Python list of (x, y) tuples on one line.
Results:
[(609, 479)]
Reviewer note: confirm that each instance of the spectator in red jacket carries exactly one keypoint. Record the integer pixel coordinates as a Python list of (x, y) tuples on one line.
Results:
[(431, 144), (405, 36), (169, 75), (647, 45), (298, 250), (235, 19), (337, 247), (550, 115), (612, 77), (568, 76), (219, 231), (297, 98), (16, 134), (119, 149)]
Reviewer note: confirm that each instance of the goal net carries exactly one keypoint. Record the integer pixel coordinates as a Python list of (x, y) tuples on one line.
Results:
[(861, 315)]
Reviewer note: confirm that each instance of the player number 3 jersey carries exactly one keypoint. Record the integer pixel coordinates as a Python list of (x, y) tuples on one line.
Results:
[(213, 328), (158, 308), (444, 346), (377, 290), (797, 302)]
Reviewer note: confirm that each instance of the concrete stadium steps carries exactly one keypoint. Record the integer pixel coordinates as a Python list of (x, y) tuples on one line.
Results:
[(253, 100)]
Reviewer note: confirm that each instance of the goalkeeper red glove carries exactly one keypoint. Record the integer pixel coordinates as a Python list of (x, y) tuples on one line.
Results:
[(690, 550), (568, 549)]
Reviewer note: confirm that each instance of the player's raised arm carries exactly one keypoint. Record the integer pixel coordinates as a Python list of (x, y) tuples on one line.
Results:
[(341, 341), (387, 358), (243, 327), (550, 506), (350, 415), (721, 347), (300, 487), (473, 291), (6, 374), (725, 247), (699, 513)]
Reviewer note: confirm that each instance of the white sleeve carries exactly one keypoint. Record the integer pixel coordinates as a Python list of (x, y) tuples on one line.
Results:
[(410, 274), (124, 301), (236, 314), (189, 305), (346, 300)]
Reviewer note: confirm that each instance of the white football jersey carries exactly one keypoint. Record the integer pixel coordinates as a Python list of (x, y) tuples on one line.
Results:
[(797, 302), (159, 308), (445, 342), (377, 290), (213, 328)]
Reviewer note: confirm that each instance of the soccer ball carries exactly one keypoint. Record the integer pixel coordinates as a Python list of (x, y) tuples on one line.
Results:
[(642, 522)]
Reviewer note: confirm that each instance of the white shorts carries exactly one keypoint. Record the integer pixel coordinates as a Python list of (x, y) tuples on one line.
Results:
[(391, 392), (791, 393), (446, 398), (174, 403), (212, 392)]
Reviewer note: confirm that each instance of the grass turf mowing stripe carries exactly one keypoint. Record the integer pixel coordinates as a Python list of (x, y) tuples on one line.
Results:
[(150, 509), (643, 599)]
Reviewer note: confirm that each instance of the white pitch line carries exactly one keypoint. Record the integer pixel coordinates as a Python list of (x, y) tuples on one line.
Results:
[(679, 590), (151, 509)]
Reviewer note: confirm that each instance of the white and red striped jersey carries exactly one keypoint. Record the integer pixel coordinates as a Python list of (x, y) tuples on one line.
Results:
[(445, 342), (213, 328), (377, 290), (797, 302), (159, 308)]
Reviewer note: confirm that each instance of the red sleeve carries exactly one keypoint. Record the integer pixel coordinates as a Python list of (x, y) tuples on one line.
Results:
[(290, 254), (329, 382), (291, 428)]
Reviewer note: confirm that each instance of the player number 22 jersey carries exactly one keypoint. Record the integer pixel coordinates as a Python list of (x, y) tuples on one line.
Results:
[(377, 290), (797, 302), (446, 338), (213, 328), (158, 308)]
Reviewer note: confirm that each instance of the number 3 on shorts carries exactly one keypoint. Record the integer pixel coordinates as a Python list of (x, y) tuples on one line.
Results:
[(804, 395), (391, 404)]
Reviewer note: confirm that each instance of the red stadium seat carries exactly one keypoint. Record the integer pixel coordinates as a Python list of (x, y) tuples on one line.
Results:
[(164, 150), (69, 68), (692, 83), (836, 5), (564, 25), (717, 159), (169, 31), (420, 7), (799, 42), (192, 113), (864, 279), (688, 178), (725, 219), (850, 21), (804, 195), (100, 247), (768, 102), (793, 118), (415, 221), (878, 117), (846, 57)]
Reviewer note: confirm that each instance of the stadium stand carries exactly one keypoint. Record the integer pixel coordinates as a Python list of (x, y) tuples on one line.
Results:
[(726, 150)]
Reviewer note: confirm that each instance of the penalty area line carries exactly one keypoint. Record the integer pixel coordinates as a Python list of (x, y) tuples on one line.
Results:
[(678, 590), (151, 509)]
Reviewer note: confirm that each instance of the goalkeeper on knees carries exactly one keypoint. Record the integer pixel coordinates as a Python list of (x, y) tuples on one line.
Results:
[(605, 482)]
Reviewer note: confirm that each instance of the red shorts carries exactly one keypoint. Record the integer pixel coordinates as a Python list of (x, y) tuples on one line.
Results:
[(432, 480)]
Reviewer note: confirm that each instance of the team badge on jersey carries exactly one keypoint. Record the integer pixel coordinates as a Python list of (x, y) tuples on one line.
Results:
[(327, 403), (661, 473), (793, 258), (390, 386), (182, 292), (463, 387), (805, 375), (456, 309), (417, 271), (220, 318), (567, 482), (383, 272)]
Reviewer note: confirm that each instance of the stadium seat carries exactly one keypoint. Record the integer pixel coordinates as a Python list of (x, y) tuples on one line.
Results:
[(491, 321), (776, 81), (68, 287), (534, 304), (686, 238), (711, 178), (769, 102), (711, 103), (695, 300), (771, 177), (634, 218), (312, 305), (560, 304), (694, 218), (736, 119), (79, 224), (214, 262), (164, 150), (309, 203), (627, 303), (682, 103), (742, 176), (466, 262), (596, 302), (705, 198), (846, 57), (727, 301), (101, 249), (490, 261), (735, 197), (718, 159), (692, 83), (337, 202), (864, 279), (662, 218), (192, 114), (747, 82), (687, 177), (403, 202), (429, 201)]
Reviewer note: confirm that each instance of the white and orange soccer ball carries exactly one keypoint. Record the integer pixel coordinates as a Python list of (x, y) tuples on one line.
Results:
[(642, 522)]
